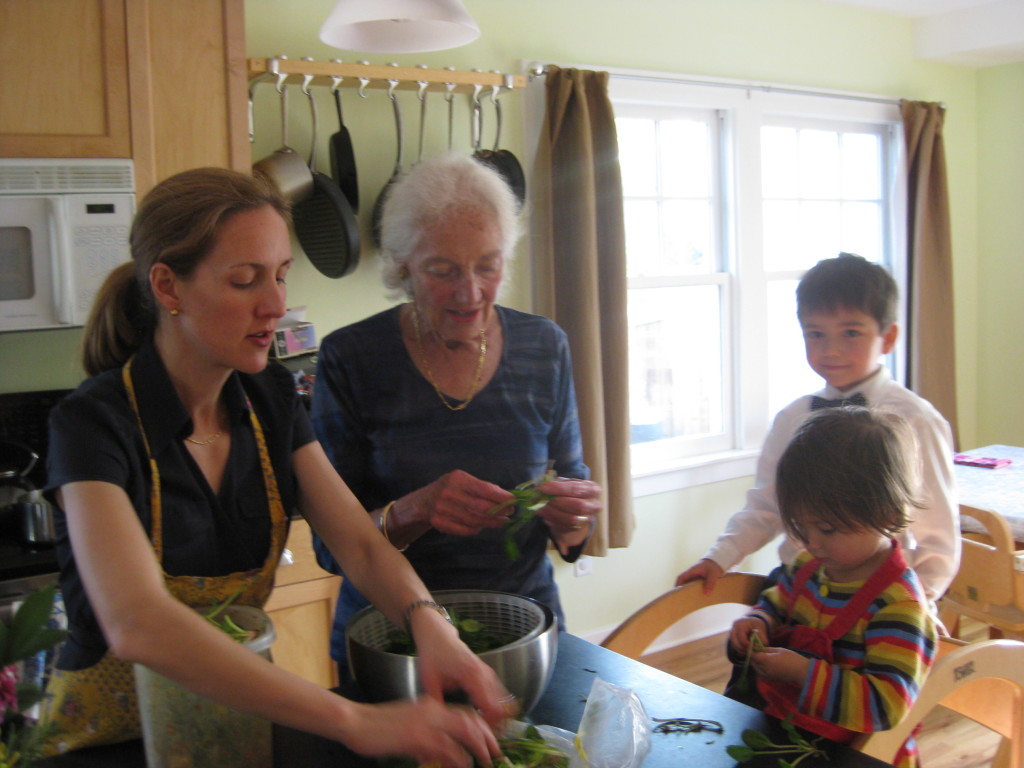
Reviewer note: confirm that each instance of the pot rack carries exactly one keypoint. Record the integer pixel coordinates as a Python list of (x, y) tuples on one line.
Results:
[(363, 75)]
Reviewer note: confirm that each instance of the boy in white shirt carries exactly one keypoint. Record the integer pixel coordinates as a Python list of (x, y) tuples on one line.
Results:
[(847, 309)]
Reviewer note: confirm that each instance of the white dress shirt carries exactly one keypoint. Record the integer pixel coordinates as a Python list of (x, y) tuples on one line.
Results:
[(931, 543)]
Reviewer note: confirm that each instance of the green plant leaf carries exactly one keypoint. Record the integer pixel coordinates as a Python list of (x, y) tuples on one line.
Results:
[(756, 739), (28, 633), (740, 753)]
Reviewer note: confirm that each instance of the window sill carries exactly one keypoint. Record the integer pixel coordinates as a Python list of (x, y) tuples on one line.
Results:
[(698, 470)]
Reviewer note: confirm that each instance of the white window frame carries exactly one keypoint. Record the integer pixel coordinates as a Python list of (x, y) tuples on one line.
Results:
[(741, 106)]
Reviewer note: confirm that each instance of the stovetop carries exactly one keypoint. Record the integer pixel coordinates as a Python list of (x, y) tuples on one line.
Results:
[(20, 561)]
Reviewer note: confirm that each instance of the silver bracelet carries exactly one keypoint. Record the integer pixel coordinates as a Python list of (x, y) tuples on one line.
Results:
[(424, 604)]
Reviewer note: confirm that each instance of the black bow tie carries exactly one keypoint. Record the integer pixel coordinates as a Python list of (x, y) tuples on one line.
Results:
[(817, 403)]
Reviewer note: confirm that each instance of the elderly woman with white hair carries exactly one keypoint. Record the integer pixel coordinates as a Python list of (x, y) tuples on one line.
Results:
[(433, 409)]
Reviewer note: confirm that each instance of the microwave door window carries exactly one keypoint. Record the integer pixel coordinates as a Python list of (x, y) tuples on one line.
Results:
[(27, 229), (16, 278)]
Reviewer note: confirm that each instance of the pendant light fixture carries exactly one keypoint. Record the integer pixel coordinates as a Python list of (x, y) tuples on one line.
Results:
[(398, 26)]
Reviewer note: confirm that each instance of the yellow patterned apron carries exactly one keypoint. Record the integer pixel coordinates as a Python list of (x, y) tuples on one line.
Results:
[(98, 705)]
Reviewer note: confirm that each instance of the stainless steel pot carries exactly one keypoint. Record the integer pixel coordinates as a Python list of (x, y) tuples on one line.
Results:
[(285, 167), (36, 513)]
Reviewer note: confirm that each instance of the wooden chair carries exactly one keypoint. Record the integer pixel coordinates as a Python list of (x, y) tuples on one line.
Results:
[(634, 635), (988, 587), (982, 681)]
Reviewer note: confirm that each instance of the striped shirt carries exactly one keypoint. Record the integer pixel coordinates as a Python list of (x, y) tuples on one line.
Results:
[(878, 665)]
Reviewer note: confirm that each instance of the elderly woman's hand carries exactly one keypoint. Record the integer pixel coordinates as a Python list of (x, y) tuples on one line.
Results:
[(458, 503), (572, 512)]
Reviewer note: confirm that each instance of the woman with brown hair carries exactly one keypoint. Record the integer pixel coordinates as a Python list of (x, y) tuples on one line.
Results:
[(176, 468)]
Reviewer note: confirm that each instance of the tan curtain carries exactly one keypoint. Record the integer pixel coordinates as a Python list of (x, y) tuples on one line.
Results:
[(930, 337), (579, 250)]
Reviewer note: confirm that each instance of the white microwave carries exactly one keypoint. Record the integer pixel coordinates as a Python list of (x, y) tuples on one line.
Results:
[(64, 225)]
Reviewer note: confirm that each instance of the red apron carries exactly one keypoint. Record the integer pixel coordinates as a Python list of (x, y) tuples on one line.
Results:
[(782, 698)]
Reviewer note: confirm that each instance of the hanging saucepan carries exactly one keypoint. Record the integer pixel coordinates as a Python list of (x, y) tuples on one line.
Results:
[(285, 167), (324, 223), (502, 160), (378, 206), (343, 160)]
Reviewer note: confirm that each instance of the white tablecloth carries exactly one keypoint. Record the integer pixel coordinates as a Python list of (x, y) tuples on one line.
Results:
[(1000, 490)]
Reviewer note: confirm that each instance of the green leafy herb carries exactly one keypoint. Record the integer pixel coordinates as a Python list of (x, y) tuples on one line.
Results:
[(530, 751), (686, 725), (755, 646), (224, 622), (757, 743), (471, 631), (528, 501)]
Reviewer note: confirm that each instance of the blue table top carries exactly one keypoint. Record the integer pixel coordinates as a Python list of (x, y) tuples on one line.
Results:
[(1000, 490)]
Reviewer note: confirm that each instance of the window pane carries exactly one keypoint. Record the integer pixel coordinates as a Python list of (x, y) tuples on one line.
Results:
[(862, 168), (643, 240), (862, 229), (685, 158), (778, 161), (638, 156), (819, 164), (789, 375), (687, 237), (675, 349)]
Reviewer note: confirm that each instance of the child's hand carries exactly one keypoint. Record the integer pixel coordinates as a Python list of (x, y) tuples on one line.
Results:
[(739, 637), (781, 664)]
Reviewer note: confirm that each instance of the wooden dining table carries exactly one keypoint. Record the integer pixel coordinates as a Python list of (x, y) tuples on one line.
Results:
[(578, 663)]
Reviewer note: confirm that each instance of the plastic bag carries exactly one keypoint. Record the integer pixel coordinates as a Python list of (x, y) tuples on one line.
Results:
[(615, 730)]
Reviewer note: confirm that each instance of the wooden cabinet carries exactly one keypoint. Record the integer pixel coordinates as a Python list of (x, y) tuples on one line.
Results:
[(302, 609), (160, 81)]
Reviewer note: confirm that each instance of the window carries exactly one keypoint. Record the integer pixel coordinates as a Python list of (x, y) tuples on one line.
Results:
[(730, 194)]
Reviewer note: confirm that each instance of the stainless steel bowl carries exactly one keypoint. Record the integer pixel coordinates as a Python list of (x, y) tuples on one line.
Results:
[(524, 666)]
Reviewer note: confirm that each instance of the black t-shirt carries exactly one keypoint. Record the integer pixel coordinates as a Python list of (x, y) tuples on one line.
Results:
[(94, 435)]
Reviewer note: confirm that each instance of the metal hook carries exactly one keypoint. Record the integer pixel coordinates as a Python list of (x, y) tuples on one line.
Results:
[(495, 89), (449, 87), (307, 79), (336, 79), (363, 81), (421, 93), (392, 83), (275, 67)]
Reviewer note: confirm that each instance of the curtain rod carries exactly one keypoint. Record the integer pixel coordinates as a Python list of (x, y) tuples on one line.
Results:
[(541, 69)]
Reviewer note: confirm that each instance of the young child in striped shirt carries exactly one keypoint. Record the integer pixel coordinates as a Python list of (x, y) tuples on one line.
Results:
[(847, 634)]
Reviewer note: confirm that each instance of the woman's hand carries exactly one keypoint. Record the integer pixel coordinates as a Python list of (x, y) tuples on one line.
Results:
[(781, 664), (425, 729), (705, 570), (572, 512), (456, 503), (447, 664)]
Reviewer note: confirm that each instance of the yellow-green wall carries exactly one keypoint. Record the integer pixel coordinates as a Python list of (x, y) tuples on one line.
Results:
[(787, 41)]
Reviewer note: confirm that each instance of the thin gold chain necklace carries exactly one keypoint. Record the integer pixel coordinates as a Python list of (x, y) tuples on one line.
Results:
[(473, 387), (207, 441)]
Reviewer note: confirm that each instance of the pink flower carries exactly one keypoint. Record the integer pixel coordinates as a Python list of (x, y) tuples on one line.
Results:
[(8, 690)]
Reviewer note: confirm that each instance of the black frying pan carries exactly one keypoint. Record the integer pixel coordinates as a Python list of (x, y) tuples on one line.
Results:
[(378, 206), (324, 223), (503, 161), (343, 160)]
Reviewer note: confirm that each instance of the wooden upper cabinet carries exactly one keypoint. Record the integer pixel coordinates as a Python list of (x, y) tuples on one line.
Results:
[(64, 89), (160, 81), (188, 81)]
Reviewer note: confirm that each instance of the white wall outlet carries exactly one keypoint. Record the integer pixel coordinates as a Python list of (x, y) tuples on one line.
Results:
[(584, 566)]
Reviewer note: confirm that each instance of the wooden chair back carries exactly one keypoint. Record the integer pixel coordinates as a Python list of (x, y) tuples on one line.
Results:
[(987, 587), (634, 635), (982, 681)]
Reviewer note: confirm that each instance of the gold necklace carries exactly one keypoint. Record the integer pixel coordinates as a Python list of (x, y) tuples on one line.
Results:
[(473, 387), (207, 441)]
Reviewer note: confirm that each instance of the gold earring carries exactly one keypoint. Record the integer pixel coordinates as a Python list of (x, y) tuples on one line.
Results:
[(175, 312)]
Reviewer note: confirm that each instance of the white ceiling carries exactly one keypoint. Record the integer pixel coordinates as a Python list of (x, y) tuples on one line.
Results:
[(975, 33)]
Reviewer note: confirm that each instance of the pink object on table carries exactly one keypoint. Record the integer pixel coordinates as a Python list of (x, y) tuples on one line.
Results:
[(980, 461)]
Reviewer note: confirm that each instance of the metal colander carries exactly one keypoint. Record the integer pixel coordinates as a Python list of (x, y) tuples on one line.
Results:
[(500, 613)]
